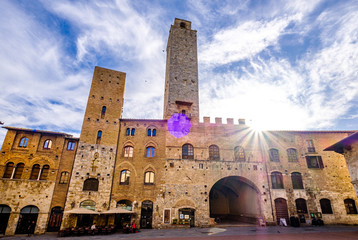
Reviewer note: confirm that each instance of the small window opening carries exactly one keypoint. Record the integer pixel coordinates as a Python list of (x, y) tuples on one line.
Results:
[(103, 112), (99, 137)]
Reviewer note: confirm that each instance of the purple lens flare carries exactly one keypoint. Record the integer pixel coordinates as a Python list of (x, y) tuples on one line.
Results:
[(179, 125)]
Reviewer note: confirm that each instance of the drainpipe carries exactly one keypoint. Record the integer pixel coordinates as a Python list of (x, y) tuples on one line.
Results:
[(114, 166)]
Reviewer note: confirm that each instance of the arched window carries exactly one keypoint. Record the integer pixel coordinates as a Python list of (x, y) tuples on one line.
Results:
[(44, 172), (150, 151), (276, 179), (48, 144), (103, 112), (90, 184), (30, 209), (188, 151), (149, 178), (35, 172), (292, 155), (350, 206), (239, 153), (301, 205), (64, 177), (71, 146), (125, 204), (182, 25), (99, 137), (214, 152), (89, 204), (18, 171), (326, 206), (23, 142), (9, 169), (124, 179), (152, 132), (130, 132), (297, 180), (274, 155), (128, 151)]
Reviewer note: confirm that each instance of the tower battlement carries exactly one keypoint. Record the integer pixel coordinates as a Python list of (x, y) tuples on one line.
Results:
[(229, 121)]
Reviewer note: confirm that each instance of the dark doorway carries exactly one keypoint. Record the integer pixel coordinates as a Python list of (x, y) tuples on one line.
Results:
[(27, 220), (234, 200), (54, 223), (84, 220), (189, 214), (4, 217), (122, 219), (146, 214), (281, 209)]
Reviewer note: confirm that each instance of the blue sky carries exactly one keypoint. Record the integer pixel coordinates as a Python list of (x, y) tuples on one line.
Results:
[(289, 65)]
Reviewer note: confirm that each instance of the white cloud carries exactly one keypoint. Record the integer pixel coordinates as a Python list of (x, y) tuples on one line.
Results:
[(128, 37), (313, 94), (243, 41)]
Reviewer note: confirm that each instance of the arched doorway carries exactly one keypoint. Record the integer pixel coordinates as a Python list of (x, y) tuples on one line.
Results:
[(54, 223), (146, 214), (4, 217), (281, 209), (234, 199), (27, 220)]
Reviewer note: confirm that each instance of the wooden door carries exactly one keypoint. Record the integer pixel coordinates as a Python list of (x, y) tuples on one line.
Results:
[(281, 209)]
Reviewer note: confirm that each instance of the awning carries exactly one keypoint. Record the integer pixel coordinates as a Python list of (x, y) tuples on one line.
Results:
[(117, 210), (81, 211)]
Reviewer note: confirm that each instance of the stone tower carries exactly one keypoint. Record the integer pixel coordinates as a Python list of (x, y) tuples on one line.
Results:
[(93, 168), (181, 77)]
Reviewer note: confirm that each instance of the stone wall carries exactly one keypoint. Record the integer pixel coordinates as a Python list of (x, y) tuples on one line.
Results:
[(22, 192)]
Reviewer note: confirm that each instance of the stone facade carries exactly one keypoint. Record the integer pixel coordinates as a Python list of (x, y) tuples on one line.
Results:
[(181, 77), (212, 171), (30, 189), (348, 147), (96, 155)]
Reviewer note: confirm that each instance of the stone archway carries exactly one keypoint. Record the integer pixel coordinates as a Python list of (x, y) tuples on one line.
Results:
[(233, 200)]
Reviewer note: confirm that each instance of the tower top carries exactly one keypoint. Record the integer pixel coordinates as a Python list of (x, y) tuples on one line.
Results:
[(182, 23), (181, 75)]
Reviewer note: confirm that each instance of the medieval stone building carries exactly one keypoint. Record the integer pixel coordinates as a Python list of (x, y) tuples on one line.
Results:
[(170, 171)]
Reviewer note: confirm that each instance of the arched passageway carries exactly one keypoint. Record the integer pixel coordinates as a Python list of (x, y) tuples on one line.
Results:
[(146, 214), (55, 220), (27, 220), (4, 217), (233, 200)]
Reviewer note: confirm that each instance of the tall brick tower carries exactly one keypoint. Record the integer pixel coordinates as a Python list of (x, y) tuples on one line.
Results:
[(181, 77), (93, 168)]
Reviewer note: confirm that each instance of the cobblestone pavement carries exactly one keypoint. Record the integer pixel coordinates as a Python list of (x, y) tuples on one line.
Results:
[(228, 233)]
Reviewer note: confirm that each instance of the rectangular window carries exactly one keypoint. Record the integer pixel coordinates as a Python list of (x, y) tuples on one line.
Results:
[(71, 146), (150, 151), (314, 162), (128, 152), (310, 146), (201, 166)]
